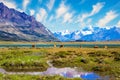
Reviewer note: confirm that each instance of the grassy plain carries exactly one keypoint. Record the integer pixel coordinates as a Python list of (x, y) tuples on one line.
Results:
[(100, 60)]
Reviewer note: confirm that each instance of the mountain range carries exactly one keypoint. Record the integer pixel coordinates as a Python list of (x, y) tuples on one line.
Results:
[(90, 34), (18, 26)]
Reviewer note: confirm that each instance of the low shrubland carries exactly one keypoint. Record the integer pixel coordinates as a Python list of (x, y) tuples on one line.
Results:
[(100, 60)]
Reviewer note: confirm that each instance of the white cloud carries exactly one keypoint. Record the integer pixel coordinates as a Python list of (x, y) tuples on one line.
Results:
[(95, 10), (32, 12), (84, 20), (61, 10), (51, 18), (25, 3), (118, 24), (38, 17), (107, 18), (89, 20), (40, 1), (9, 3), (83, 17), (50, 4), (82, 1), (67, 17), (41, 15)]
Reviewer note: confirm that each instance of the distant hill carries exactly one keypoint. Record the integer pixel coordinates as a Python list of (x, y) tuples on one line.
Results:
[(17, 26), (94, 34)]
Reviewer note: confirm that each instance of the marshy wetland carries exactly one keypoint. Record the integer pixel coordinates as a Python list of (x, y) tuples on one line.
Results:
[(54, 63)]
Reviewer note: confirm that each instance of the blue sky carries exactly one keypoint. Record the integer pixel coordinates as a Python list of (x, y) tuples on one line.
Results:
[(60, 15)]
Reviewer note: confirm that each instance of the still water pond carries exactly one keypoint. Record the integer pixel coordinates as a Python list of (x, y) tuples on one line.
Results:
[(65, 72)]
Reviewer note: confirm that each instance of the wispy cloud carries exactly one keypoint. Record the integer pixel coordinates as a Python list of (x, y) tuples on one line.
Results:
[(40, 1), (9, 3), (64, 12), (41, 15), (95, 10), (67, 17), (50, 4), (107, 18), (82, 1), (51, 18), (61, 10), (89, 20), (118, 24), (84, 20), (32, 12), (25, 4)]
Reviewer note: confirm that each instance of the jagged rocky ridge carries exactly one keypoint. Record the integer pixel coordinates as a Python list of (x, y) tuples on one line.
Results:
[(94, 34), (17, 26)]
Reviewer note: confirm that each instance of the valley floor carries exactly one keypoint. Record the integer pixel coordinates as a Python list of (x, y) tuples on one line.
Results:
[(103, 61)]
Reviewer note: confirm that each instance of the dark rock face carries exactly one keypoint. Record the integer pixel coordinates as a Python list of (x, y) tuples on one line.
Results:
[(17, 26)]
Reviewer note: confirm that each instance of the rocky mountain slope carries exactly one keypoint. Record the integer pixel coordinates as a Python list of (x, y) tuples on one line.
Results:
[(17, 26)]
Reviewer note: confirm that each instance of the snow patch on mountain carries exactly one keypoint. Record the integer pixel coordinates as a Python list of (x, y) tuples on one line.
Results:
[(90, 34)]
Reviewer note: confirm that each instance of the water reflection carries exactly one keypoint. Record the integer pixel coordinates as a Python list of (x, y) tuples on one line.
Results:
[(73, 73), (66, 72)]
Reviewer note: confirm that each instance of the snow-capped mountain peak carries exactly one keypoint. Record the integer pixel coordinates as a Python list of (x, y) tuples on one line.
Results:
[(65, 32), (93, 34), (86, 32)]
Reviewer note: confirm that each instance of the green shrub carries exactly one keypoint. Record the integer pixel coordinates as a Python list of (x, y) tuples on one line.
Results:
[(91, 54), (61, 54), (98, 54), (115, 53), (101, 68), (1, 57), (117, 58), (84, 60), (27, 66), (99, 60)]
